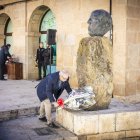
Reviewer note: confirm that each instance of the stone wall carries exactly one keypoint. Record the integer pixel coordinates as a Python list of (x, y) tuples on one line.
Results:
[(133, 48), (126, 42), (119, 45), (16, 13), (71, 19), (72, 25)]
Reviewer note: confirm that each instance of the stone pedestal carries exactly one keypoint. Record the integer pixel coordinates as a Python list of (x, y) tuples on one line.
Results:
[(113, 123), (94, 68)]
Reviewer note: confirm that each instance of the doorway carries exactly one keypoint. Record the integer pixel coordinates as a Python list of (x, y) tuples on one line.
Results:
[(42, 19), (48, 22), (8, 34)]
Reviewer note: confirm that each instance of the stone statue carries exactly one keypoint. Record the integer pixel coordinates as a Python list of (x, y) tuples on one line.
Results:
[(94, 60), (100, 22)]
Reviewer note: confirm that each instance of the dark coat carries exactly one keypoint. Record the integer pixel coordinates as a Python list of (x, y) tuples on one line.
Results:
[(47, 56), (39, 55), (4, 52), (48, 87)]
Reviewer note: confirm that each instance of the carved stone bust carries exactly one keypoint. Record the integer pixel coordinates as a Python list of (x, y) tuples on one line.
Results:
[(100, 22)]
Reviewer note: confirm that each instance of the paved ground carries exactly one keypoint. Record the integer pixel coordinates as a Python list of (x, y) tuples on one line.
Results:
[(21, 94), (30, 128), (17, 94), (18, 99)]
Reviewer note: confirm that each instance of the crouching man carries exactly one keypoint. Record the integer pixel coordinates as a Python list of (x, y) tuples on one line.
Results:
[(49, 90)]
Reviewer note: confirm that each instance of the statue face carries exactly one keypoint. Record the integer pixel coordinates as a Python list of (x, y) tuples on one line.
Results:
[(100, 22), (93, 24)]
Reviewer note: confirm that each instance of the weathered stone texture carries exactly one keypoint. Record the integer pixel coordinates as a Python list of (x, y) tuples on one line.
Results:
[(106, 123), (88, 125), (132, 48), (120, 121), (133, 133), (68, 120), (107, 136), (127, 121), (94, 68)]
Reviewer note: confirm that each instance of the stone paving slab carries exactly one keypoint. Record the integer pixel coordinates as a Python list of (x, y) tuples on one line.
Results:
[(17, 94), (19, 98), (24, 129)]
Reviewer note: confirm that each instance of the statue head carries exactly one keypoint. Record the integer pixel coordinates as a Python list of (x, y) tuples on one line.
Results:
[(100, 22)]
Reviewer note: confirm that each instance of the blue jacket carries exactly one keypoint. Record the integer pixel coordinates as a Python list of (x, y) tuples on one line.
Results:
[(49, 87)]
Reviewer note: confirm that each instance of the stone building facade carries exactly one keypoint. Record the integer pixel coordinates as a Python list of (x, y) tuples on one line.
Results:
[(71, 24)]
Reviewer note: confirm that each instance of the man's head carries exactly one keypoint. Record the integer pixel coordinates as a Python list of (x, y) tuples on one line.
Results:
[(8, 46), (48, 46), (41, 45), (64, 75), (100, 22)]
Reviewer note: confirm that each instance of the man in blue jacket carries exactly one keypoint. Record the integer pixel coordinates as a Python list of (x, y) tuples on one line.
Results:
[(49, 90)]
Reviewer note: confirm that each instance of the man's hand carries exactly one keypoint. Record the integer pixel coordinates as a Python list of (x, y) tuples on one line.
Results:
[(55, 104)]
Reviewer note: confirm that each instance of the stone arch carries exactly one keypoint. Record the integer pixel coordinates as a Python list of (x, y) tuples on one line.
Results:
[(33, 39), (4, 18)]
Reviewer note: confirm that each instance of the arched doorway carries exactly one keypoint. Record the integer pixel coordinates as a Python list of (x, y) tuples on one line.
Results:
[(5, 29), (48, 22), (8, 33), (38, 24)]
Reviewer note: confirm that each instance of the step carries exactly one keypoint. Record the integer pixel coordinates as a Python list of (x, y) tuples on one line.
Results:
[(20, 112), (113, 122)]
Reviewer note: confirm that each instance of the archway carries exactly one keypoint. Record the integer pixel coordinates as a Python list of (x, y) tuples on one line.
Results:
[(5, 29), (48, 22), (37, 31), (8, 33)]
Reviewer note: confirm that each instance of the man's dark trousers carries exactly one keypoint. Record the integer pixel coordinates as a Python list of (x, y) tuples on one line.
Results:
[(2, 68), (40, 66)]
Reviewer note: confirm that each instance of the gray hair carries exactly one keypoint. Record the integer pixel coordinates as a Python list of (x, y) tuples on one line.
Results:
[(64, 73)]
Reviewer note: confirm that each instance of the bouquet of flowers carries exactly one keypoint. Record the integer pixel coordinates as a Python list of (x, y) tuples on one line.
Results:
[(79, 99)]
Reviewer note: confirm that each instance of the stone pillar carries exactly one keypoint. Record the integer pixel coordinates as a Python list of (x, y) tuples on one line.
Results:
[(2, 37), (119, 46), (126, 42), (33, 43), (133, 49)]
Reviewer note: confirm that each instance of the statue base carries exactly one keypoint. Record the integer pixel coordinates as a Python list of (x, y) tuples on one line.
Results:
[(116, 121)]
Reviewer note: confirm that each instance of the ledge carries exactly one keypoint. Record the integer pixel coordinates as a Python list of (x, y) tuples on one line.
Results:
[(119, 117)]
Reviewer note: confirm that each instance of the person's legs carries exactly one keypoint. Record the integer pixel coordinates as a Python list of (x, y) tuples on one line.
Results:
[(48, 108), (39, 70), (1, 76), (1, 71), (42, 110), (44, 69)]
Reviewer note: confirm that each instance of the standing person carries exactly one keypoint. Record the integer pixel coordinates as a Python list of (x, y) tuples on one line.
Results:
[(49, 90), (4, 56), (48, 56), (40, 61)]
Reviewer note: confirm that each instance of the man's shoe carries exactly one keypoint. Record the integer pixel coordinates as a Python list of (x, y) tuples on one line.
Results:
[(43, 119), (3, 79), (53, 125)]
